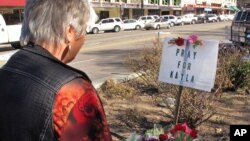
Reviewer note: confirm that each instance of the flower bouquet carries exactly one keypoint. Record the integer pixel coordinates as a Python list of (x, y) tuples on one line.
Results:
[(192, 39), (180, 132)]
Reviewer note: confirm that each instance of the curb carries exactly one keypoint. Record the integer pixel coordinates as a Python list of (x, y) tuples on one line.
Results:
[(119, 80)]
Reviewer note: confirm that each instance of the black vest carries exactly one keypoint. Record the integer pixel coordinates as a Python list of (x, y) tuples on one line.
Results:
[(29, 82)]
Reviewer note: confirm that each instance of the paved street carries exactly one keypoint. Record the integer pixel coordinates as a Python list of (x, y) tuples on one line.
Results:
[(103, 54)]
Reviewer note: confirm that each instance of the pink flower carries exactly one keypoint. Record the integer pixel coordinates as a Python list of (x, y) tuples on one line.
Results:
[(187, 129), (192, 38)]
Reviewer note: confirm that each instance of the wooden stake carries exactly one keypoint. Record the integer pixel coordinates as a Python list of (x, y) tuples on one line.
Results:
[(177, 105), (178, 96)]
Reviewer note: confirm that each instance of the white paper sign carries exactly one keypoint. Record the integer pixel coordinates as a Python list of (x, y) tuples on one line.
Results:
[(196, 70)]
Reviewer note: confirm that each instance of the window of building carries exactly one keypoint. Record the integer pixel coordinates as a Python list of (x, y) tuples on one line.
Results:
[(154, 1), (16, 17), (177, 2), (166, 2), (123, 1), (135, 1)]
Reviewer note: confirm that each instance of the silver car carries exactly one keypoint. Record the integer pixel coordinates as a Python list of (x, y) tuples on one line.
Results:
[(157, 24)]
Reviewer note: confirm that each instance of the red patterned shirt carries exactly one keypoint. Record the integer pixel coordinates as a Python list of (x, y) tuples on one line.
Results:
[(78, 113)]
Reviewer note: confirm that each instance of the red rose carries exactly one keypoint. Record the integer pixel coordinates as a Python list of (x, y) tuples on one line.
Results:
[(163, 137), (178, 127), (193, 133), (172, 131), (179, 41)]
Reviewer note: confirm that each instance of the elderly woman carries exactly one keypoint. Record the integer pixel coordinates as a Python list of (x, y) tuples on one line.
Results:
[(42, 98)]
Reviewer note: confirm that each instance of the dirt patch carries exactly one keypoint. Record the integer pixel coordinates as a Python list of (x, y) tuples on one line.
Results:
[(141, 112)]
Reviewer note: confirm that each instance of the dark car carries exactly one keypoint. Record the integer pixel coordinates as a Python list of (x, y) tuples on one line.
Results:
[(240, 29)]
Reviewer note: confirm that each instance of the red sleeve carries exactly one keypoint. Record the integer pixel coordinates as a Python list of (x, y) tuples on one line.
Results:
[(78, 113)]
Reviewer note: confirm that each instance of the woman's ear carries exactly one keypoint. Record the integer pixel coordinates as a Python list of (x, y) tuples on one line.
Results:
[(70, 33)]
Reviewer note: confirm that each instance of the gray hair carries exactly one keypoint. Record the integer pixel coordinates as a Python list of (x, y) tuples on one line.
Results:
[(46, 20)]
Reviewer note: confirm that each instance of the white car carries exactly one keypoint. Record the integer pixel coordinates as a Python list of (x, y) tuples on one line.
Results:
[(148, 19), (189, 19), (10, 30), (212, 18), (230, 17), (129, 24), (179, 21), (107, 24), (157, 24), (171, 18), (222, 17)]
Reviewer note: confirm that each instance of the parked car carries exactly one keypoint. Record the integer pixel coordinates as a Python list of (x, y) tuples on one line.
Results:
[(156, 16), (202, 18), (240, 29), (10, 29), (147, 19), (129, 24), (230, 17), (171, 18), (190, 19), (222, 17), (212, 18), (157, 24), (180, 21), (108, 24)]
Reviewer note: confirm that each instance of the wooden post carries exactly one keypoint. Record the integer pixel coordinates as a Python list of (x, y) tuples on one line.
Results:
[(177, 105), (158, 40), (178, 96)]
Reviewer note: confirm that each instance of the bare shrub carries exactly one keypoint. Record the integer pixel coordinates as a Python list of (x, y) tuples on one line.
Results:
[(111, 89), (196, 106), (240, 75), (146, 63), (228, 61)]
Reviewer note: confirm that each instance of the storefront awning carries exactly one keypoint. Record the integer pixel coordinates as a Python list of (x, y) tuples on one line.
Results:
[(233, 8), (12, 3)]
